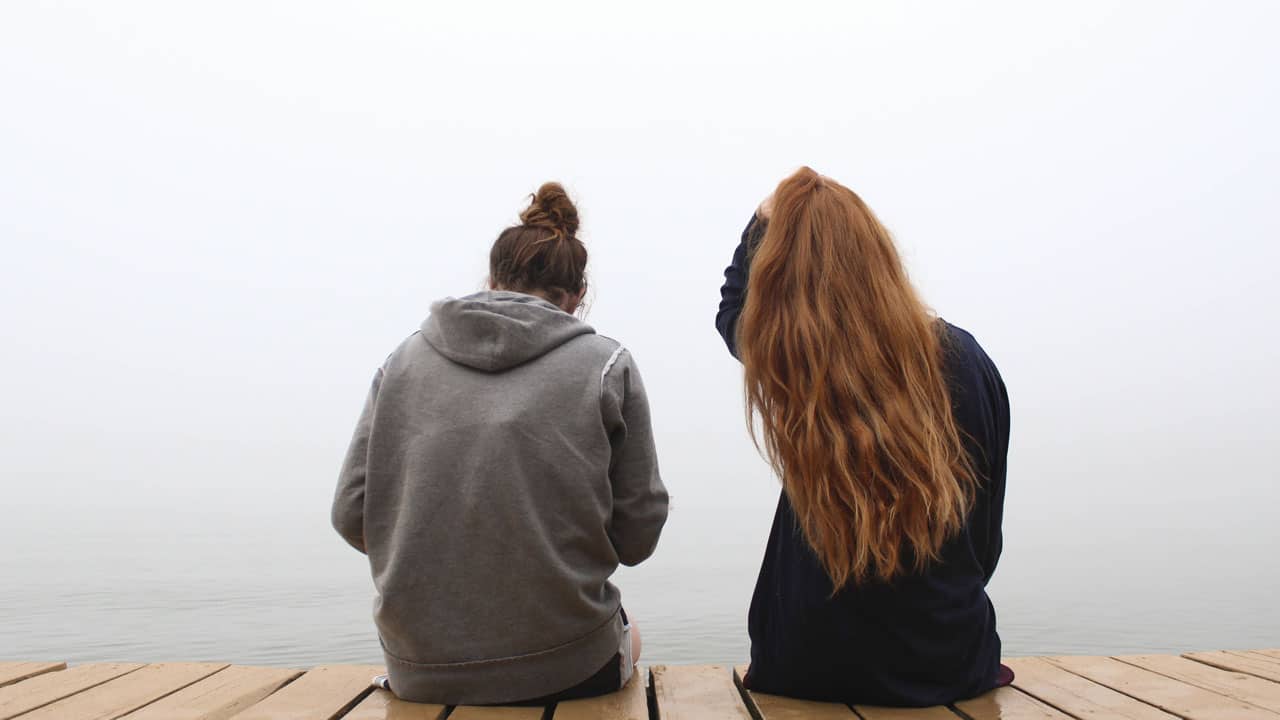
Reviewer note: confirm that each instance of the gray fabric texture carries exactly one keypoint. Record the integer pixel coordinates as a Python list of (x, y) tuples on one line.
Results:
[(502, 468)]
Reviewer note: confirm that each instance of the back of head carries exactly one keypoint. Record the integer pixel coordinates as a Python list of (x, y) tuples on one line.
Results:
[(844, 368), (542, 255)]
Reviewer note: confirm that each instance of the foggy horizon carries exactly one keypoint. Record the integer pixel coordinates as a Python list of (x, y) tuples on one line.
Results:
[(221, 219)]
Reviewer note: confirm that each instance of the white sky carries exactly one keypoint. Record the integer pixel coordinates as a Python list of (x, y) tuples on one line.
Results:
[(219, 218)]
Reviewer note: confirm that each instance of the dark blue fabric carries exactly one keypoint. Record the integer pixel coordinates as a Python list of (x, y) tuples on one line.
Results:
[(925, 639)]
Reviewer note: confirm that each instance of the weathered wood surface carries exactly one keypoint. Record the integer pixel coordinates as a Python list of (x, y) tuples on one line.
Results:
[(1008, 703), (36, 692), (121, 696), (326, 692), (1186, 701), (1250, 689), (872, 712), (12, 672), (382, 705), (1263, 666), (696, 692), (497, 713), (1220, 685), (773, 707), (1077, 696), (219, 696)]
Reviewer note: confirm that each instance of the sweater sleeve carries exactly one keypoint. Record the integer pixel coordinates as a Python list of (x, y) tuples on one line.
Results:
[(348, 502), (639, 497), (997, 455), (733, 293)]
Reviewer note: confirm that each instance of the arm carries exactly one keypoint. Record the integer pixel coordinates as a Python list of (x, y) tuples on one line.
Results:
[(734, 291), (639, 497), (998, 448), (348, 502)]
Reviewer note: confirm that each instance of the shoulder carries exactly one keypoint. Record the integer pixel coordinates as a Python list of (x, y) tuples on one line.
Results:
[(411, 347), (963, 347), (618, 362), (599, 346), (969, 364)]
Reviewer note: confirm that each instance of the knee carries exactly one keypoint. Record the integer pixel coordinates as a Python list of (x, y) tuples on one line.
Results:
[(636, 645)]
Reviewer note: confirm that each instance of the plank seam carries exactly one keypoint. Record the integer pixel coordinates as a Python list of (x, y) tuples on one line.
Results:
[(1216, 666), (351, 704), (54, 667), (747, 700), (1062, 710), (651, 694), (153, 701), (1122, 692), (1198, 685), (83, 689), (1255, 656)]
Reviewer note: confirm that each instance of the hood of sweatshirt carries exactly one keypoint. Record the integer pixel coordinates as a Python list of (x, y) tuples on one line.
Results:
[(496, 330)]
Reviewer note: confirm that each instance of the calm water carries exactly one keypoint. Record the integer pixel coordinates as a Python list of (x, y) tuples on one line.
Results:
[(258, 587)]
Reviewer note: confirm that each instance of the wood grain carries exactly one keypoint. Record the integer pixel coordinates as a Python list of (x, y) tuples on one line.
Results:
[(12, 672), (382, 705), (121, 696), (219, 696), (322, 693), (1186, 701), (697, 692), (41, 690)]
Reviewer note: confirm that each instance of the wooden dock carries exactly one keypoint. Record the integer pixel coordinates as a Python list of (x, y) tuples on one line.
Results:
[(1221, 685)]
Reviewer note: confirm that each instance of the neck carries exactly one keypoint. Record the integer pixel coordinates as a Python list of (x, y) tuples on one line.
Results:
[(562, 300)]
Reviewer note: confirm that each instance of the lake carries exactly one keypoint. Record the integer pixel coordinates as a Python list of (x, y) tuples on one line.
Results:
[(255, 586)]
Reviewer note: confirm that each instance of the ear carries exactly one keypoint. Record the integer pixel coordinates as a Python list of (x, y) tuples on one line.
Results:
[(573, 302)]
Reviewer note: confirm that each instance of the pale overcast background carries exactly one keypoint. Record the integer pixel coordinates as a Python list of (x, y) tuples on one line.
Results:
[(218, 218)]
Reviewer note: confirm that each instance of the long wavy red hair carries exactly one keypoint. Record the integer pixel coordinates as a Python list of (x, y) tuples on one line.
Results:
[(844, 372)]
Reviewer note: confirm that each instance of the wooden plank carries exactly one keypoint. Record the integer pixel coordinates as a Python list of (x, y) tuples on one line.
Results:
[(1256, 665), (1246, 688), (874, 712), (1075, 695), (41, 690), (1008, 703), (12, 672), (473, 712), (1256, 655), (218, 696), (322, 693), (1179, 698), (382, 705), (116, 698), (696, 692), (775, 707), (629, 703)]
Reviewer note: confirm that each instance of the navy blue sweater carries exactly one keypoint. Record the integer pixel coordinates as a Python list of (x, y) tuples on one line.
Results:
[(925, 638)]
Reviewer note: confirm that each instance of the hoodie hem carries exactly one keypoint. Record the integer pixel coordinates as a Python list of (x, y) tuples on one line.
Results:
[(508, 679)]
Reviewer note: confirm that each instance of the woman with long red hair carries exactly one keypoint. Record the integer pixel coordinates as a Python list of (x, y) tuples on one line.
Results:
[(888, 428)]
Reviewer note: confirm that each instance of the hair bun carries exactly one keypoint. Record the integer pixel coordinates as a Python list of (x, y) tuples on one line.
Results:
[(551, 208)]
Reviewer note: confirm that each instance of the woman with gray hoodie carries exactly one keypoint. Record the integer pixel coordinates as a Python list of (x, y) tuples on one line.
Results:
[(502, 468)]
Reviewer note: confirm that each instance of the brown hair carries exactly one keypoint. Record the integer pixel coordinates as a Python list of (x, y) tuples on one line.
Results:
[(844, 367), (542, 255)]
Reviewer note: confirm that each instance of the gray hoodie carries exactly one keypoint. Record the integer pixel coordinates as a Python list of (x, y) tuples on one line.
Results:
[(502, 468)]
